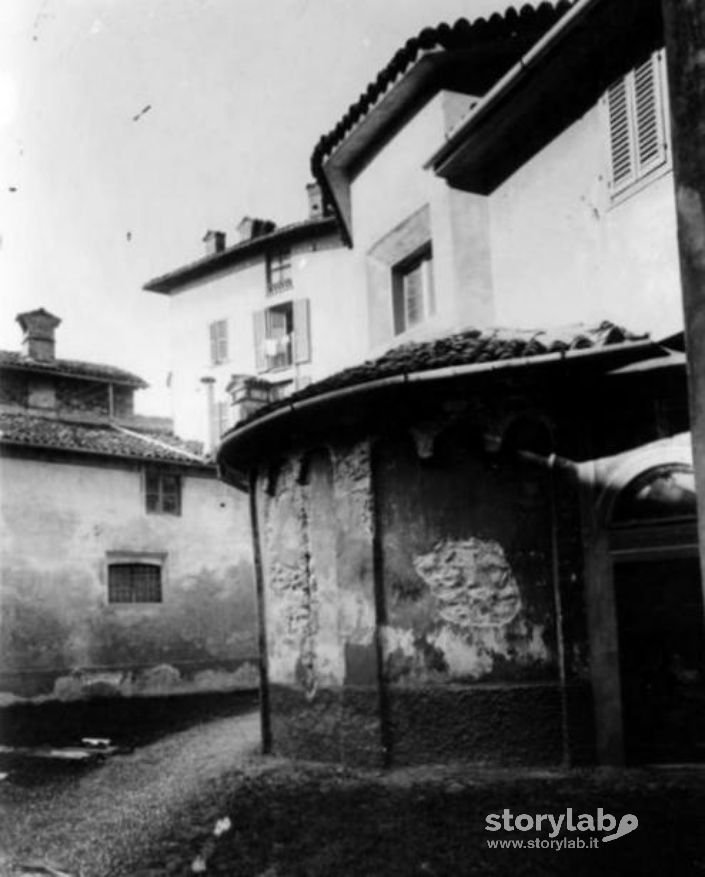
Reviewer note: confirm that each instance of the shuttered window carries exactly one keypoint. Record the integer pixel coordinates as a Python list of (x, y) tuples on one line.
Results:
[(282, 335), (638, 129), (219, 341)]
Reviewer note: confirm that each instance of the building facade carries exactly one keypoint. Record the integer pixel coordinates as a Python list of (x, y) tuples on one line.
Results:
[(258, 312), (481, 542), (126, 564)]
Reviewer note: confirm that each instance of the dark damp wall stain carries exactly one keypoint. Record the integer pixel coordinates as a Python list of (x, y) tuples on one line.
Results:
[(59, 635)]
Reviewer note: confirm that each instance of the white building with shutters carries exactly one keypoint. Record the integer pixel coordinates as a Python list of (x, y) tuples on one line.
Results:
[(275, 305), (569, 157), (513, 173)]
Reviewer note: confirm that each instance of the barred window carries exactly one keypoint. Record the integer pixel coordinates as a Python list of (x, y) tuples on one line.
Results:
[(163, 492), (134, 583)]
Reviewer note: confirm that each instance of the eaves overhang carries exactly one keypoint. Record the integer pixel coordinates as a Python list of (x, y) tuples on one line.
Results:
[(366, 404), (467, 57), (215, 263), (552, 85)]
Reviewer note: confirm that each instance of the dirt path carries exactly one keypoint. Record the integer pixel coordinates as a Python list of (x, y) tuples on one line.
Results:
[(106, 821)]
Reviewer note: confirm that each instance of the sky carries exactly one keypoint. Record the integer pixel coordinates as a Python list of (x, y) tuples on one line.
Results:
[(130, 127)]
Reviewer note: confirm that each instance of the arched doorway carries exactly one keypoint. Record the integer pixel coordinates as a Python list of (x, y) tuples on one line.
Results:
[(659, 616)]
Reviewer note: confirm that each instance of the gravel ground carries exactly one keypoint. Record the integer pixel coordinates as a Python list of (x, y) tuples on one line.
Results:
[(203, 801), (106, 820)]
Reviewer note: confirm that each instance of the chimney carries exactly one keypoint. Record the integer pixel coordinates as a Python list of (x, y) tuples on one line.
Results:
[(38, 327), (214, 241), (317, 208), (250, 228), (248, 394)]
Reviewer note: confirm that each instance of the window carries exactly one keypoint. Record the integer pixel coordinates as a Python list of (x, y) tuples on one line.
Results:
[(412, 291), (282, 335), (279, 271), (163, 492), (134, 583), (219, 341), (637, 121)]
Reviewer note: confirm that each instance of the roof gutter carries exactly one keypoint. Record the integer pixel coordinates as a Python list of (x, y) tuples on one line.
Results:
[(406, 378), (512, 79)]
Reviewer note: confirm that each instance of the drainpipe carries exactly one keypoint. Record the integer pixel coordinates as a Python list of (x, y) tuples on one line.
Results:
[(557, 466), (264, 711)]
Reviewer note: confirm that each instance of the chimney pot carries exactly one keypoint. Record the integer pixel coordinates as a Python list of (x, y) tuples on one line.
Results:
[(214, 241), (317, 208), (38, 341), (250, 228)]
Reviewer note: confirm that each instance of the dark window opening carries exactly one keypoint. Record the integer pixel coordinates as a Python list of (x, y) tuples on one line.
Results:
[(134, 583), (279, 271), (662, 492), (412, 291), (163, 492)]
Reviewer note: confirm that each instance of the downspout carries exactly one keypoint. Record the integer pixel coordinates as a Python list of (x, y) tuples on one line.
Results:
[(555, 464), (264, 709)]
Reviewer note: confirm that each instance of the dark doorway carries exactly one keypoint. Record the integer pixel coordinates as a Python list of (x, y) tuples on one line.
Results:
[(662, 652)]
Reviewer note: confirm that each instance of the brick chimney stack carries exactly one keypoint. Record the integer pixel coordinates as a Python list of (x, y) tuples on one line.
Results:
[(38, 327), (250, 227), (214, 241)]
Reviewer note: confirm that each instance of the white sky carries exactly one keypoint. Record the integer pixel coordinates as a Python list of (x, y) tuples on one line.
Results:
[(93, 204)]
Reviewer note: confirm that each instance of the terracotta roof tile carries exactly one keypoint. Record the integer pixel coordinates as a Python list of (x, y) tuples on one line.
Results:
[(11, 359), (461, 35), (470, 347), (104, 440)]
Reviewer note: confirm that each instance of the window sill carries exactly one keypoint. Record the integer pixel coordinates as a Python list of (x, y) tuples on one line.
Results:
[(635, 188)]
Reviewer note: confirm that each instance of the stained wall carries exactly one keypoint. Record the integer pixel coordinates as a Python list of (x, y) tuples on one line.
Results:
[(59, 635)]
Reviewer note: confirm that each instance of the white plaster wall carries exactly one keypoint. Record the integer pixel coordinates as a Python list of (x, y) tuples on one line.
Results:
[(393, 186), (321, 272), (60, 518), (562, 253), (59, 522)]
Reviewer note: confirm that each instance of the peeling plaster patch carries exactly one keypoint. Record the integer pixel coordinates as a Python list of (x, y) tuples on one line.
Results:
[(472, 582), (353, 480), (463, 657), (397, 639), (356, 619)]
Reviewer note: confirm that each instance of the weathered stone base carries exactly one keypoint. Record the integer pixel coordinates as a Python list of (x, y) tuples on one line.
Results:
[(340, 725), (498, 725), (492, 725)]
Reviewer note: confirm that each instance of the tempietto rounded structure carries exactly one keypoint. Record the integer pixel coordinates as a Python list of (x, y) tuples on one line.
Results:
[(425, 546)]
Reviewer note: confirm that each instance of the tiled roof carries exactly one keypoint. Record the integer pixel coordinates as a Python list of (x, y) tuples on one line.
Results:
[(471, 347), (104, 440), (213, 262), (461, 35), (11, 359)]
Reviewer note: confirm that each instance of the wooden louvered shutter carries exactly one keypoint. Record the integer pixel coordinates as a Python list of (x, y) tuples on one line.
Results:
[(214, 342), (260, 334), (302, 332), (621, 135), (637, 123), (649, 118)]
